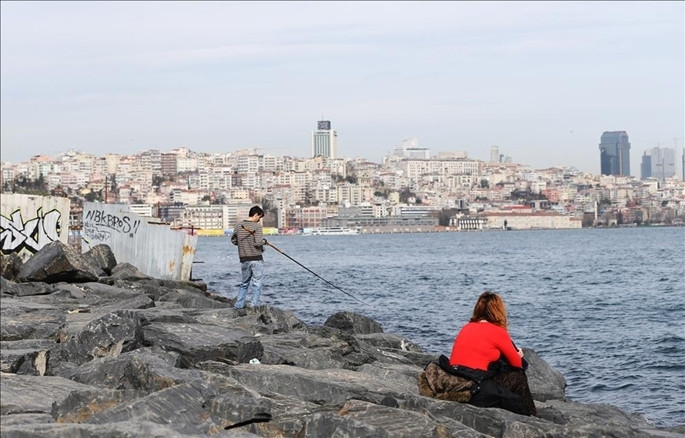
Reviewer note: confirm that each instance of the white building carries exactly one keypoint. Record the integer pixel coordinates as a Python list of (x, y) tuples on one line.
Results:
[(324, 140)]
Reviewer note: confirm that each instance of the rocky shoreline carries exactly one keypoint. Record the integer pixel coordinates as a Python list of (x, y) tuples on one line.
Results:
[(92, 348)]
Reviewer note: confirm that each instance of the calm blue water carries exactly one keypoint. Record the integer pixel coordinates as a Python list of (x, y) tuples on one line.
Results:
[(604, 307)]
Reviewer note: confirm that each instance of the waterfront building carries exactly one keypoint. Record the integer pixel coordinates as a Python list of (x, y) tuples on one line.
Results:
[(388, 224), (468, 223), (324, 140), (529, 220), (614, 150)]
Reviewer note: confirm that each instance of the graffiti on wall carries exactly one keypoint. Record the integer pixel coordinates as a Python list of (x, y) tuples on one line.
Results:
[(17, 235), (100, 226)]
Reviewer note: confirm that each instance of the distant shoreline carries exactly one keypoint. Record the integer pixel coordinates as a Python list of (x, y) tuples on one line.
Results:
[(217, 233)]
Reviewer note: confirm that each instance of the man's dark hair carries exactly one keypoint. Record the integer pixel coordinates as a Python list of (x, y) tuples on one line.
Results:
[(256, 210)]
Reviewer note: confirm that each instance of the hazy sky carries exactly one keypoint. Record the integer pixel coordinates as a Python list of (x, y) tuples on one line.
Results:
[(542, 80)]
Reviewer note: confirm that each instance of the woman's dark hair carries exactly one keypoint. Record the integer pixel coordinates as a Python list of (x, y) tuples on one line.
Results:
[(256, 210), (491, 308)]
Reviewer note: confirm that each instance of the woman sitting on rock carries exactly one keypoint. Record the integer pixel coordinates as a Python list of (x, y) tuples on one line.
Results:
[(483, 348)]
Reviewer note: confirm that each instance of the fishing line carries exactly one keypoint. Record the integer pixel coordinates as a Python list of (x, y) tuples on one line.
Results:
[(315, 274)]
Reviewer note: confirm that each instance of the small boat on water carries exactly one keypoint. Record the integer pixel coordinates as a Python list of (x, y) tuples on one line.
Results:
[(333, 231)]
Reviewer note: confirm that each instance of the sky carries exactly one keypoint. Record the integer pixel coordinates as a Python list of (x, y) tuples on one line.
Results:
[(541, 80)]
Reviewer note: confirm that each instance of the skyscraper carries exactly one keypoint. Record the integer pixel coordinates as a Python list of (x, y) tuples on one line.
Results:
[(614, 150), (661, 162), (646, 166), (324, 140), (494, 154)]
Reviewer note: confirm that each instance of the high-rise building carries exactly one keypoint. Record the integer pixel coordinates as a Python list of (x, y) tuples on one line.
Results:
[(324, 140), (661, 163), (614, 150), (658, 163), (494, 154), (646, 166)]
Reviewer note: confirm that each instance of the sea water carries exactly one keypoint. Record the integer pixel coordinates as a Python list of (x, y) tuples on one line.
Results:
[(605, 307)]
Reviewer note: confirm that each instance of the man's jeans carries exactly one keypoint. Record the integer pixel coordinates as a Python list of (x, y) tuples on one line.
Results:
[(252, 271)]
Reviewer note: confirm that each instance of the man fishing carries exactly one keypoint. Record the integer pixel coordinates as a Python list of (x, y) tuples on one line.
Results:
[(248, 237)]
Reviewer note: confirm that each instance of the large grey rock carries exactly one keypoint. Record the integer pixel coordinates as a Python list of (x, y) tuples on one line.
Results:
[(263, 320), (19, 419), (169, 314), (388, 342), (133, 429), (102, 257), (95, 298), (304, 350), (126, 271), (353, 322), (81, 405), (34, 394), (192, 298), (359, 418), (22, 319), (165, 292), (25, 289), (490, 421), (406, 375), (189, 402), (183, 284), (85, 302), (545, 382), (577, 414), (10, 266), (392, 349), (57, 262), (183, 404), (103, 337), (32, 356), (197, 342), (146, 369), (331, 387), (290, 415)]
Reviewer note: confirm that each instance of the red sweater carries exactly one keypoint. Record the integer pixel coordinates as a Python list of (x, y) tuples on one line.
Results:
[(479, 343)]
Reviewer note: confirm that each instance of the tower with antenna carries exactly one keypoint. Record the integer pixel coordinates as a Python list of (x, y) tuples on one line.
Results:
[(324, 140)]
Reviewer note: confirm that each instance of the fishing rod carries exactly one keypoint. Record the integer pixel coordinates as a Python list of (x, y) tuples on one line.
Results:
[(315, 274), (346, 293)]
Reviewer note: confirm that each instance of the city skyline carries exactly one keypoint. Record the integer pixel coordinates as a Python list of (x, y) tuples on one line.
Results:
[(541, 81)]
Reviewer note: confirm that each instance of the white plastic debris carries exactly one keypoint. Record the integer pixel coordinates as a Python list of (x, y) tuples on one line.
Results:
[(254, 361)]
